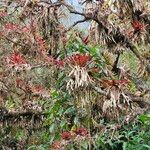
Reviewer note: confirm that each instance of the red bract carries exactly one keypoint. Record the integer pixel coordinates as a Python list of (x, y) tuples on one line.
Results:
[(39, 40), (17, 59), (81, 131), (123, 81), (79, 60), (10, 26), (66, 135), (110, 83), (38, 89), (137, 25), (59, 63)]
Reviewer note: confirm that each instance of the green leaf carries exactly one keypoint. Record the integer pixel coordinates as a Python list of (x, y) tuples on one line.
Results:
[(146, 146), (145, 118), (69, 110), (124, 146), (52, 128), (33, 147), (84, 145)]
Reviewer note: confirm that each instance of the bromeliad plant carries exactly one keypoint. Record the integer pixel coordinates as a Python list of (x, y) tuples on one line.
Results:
[(115, 92), (79, 74)]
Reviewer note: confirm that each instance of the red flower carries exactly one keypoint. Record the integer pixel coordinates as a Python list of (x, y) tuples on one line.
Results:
[(110, 83), (123, 81), (79, 59), (39, 40), (17, 59), (59, 63), (137, 25), (11, 26), (66, 135), (81, 131), (38, 89)]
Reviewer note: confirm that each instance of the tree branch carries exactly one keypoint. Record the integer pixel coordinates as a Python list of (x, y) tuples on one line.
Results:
[(75, 23), (94, 17), (136, 99)]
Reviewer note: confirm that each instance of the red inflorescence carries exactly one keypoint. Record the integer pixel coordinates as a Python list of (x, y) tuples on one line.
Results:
[(59, 63), (11, 26), (81, 131), (79, 60), (38, 88), (66, 135), (123, 81), (137, 25), (17, 59), (110, 83)]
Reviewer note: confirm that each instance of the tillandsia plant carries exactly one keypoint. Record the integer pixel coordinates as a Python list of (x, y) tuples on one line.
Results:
[(79, 84), (78, 74), (115, 92)]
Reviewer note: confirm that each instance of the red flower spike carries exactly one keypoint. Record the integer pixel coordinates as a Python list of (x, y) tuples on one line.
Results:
[(38, 89), (10, 26), (79, 59), (66, 135), (123, 81), (81, 131), (59, 63), (17, 59), (110, 83), (137, 25)]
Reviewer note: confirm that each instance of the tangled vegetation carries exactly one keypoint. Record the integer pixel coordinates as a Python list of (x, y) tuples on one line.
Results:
[(62, 88)]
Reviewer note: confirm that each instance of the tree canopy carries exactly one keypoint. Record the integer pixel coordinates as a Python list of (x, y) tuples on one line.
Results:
[(62, 87)]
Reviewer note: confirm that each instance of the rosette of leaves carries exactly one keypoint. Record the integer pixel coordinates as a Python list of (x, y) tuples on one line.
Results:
[(78, 75)]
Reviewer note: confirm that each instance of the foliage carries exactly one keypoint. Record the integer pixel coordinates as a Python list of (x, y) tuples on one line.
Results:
[(63, 89)]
